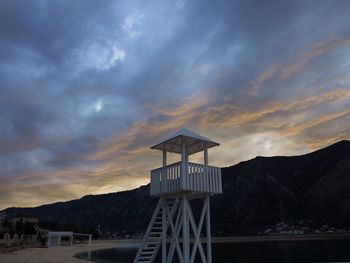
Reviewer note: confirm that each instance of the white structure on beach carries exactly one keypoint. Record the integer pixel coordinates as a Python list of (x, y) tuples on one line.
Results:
[(59, 238), (64, 238), (176, 184)]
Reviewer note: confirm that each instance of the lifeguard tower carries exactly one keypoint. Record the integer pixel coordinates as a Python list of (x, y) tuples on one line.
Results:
[(173, 222)]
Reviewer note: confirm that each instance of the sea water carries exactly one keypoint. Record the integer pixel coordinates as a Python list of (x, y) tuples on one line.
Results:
[(249, 252)]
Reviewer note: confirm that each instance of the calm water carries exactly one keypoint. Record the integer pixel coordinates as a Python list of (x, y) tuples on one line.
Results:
[(281, 252)]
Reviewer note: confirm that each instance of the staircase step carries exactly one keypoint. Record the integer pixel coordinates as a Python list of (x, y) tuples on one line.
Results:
[(148, 249), (152, 245), (147, 246), (152, 242), (147, 253), (146, 257), (154, 238)]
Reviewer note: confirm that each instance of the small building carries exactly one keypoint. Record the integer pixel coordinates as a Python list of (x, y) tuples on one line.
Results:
[(24, 223), (59, 238), (24, 218), (66, 238), (2, 218), (3, 227)]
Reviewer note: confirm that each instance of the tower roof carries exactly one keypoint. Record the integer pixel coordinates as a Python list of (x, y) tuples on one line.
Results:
[(193, 141)]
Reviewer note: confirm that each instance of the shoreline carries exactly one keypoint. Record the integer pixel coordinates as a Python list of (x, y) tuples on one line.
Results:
[(280, 238), (271, 238), (66, 254)]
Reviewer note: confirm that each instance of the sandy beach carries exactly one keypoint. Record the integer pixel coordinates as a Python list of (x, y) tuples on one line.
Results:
[(53, 255)]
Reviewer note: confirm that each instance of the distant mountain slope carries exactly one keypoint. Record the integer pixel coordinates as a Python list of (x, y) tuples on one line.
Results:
[(266, 190), (257, 193)]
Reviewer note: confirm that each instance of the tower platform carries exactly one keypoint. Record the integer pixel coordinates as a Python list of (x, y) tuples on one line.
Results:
[(183, 177)]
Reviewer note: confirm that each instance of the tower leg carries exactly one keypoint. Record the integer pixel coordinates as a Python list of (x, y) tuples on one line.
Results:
[(197, 232), (208, 230), (164, 230), (185, 222), (185, 231)]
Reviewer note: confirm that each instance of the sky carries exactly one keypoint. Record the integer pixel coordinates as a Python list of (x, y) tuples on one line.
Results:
[(86, 87)]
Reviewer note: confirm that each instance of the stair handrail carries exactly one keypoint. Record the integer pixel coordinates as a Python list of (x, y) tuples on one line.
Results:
[(145, 237), (149, 228), (173, 210)]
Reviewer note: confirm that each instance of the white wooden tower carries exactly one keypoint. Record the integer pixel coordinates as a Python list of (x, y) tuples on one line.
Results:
[(173, 227)]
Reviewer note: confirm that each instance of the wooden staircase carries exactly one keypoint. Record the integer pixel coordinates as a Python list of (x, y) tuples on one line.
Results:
[(152, 239)]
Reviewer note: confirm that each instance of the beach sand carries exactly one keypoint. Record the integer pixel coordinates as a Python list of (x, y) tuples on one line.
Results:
[(53, 255)]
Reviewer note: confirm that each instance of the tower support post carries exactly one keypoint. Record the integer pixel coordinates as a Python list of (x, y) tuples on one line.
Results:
[(208, 230), (185, 231), (164, 229), (182, 221)]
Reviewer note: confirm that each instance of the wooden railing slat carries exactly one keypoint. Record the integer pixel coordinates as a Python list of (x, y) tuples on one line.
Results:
[(196, 178)]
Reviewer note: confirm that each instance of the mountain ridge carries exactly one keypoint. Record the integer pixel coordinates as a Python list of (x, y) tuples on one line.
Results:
[(257, 193)]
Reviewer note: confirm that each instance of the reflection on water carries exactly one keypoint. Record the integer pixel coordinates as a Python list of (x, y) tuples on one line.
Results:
[(255, 252)]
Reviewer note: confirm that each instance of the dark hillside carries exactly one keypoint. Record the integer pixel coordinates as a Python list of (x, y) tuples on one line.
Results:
[(257, 193)]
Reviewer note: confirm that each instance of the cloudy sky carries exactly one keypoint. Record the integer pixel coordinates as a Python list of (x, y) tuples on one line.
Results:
[(86, 87)]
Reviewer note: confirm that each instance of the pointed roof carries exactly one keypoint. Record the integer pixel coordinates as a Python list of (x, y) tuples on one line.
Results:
[(193, 141)]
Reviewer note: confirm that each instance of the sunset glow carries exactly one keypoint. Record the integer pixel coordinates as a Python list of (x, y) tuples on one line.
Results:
[(83, 98)]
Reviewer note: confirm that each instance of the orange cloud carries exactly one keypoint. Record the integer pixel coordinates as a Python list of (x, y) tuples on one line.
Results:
[(258, 82), (234, 115), (124, 162), (316, 50)]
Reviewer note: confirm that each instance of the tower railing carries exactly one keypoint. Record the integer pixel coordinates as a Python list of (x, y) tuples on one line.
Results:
[(186, 176)]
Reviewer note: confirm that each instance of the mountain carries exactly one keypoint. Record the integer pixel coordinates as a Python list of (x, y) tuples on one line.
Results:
[(257, 193), (267, 190)]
